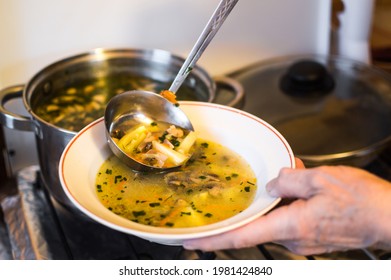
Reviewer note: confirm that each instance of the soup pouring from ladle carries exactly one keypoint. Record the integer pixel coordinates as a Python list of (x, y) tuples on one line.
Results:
[(133, 118)]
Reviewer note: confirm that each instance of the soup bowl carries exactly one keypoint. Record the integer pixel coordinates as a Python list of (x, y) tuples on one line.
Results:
[(257, 142)]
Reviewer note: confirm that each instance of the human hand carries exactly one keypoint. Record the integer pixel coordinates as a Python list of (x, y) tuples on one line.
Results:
[(336, 208)]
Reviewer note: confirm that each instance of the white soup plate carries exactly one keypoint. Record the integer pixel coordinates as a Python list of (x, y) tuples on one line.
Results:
[(262, 146)]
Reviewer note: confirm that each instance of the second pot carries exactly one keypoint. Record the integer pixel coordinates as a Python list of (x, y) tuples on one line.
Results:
[(332, 110)]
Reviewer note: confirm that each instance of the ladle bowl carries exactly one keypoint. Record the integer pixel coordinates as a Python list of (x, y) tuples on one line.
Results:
[(132, 108)]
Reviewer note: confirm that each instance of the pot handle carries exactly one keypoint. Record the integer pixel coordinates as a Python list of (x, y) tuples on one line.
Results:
[(234, 87), (9, 119)]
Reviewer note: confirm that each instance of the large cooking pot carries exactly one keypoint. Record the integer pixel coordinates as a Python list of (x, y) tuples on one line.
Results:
[(331, 110), (99, 67)]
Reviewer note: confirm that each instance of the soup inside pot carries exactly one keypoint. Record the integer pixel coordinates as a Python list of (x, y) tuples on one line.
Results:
[(71, 93), (73, 107)]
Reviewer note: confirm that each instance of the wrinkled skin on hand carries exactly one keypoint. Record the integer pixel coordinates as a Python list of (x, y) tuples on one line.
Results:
[(335, 208)]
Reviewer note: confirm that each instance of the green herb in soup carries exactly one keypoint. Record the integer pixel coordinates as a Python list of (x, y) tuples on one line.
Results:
[(213, 185), (158, 144)]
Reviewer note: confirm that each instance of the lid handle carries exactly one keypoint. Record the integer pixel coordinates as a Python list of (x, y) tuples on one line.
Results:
[(307, 78)]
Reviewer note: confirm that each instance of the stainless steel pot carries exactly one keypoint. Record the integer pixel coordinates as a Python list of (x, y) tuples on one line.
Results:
[(98, 64)]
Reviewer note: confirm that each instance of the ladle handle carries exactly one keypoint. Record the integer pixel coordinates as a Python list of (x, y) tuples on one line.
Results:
[(220, 14)]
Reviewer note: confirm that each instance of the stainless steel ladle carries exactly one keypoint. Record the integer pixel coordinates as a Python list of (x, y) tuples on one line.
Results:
[(132, 108)]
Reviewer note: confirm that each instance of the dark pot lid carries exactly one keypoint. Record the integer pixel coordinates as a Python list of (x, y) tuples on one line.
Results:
[(326, 107)]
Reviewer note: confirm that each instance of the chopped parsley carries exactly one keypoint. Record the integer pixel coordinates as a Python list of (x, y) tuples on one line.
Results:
[(117, 179), (185, 213), (175, 142), (189, 191), (138, 213), (154, 204), (163, 137), (205, 145)]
